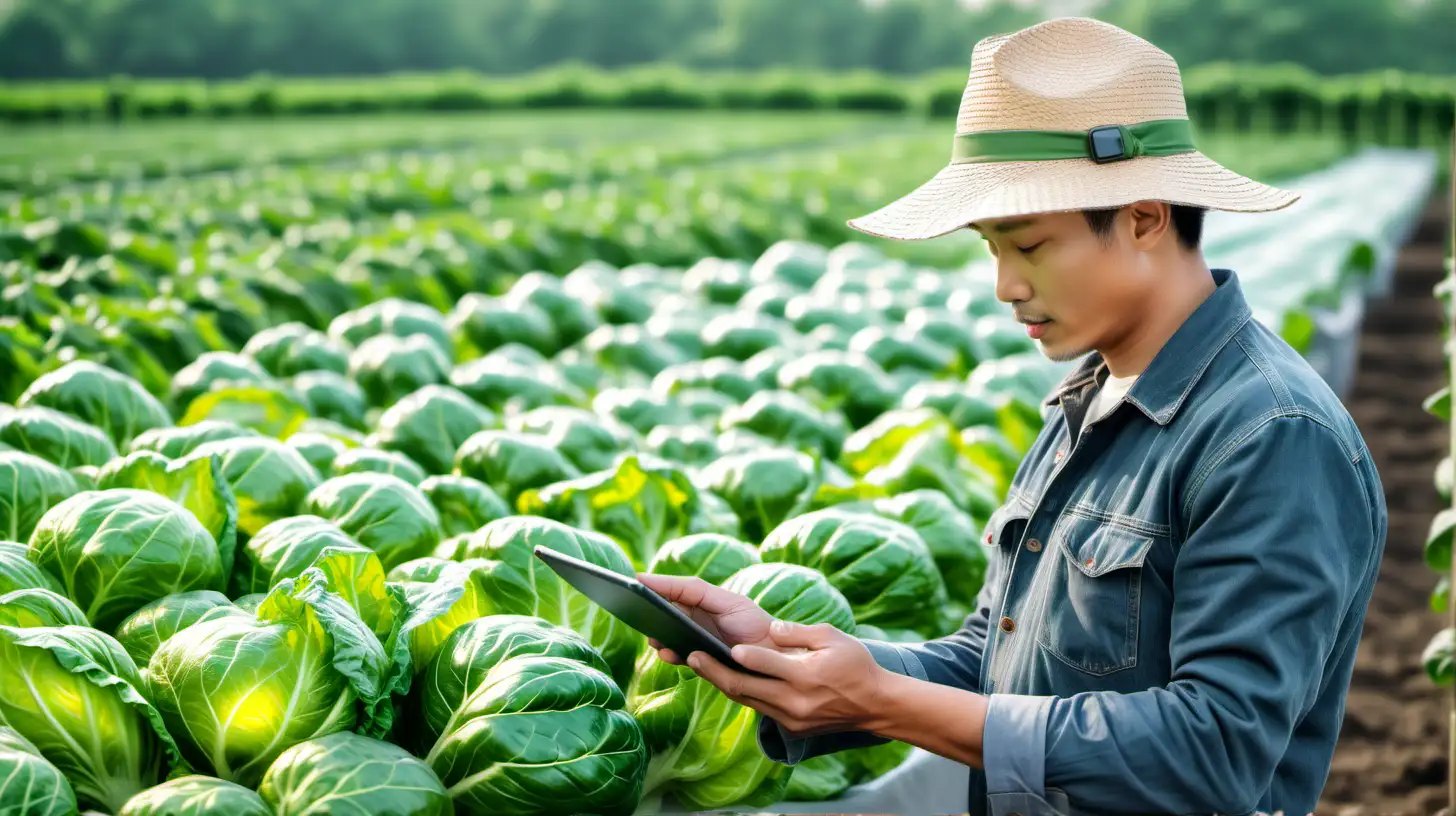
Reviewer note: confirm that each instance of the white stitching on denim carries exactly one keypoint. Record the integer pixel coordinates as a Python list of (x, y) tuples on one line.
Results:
[(1282, 396), (1137, 525)]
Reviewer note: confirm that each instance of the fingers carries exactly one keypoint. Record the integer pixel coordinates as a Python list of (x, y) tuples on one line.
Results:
[(790, 634), (692, 592), (669, 656), (738, 686), (765, 661)]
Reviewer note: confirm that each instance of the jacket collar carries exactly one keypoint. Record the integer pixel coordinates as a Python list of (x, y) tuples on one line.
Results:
[(1166, 382)]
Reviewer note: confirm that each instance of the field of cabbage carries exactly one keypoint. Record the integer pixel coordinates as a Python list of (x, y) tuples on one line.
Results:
[(280, 428)]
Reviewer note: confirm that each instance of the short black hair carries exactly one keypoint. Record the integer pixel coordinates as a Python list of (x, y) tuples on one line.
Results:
[(1187, 223)]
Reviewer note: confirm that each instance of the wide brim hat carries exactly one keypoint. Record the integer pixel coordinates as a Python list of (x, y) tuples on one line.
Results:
[(1069, 114)]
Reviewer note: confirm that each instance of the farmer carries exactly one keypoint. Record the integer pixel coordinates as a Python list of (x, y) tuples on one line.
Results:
[(1180, 571)]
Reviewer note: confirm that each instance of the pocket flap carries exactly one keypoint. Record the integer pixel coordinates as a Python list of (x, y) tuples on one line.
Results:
[(1097, 547)]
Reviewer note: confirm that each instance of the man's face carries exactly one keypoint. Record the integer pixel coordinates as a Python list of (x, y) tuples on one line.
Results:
[(1074, 290)]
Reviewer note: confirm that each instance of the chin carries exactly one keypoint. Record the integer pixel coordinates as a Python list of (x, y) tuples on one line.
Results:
[(1063, 354)]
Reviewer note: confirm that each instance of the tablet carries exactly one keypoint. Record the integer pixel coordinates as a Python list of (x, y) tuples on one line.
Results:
[(638, 606)]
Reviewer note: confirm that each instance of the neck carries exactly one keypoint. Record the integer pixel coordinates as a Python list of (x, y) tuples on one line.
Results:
[(1186, 283)]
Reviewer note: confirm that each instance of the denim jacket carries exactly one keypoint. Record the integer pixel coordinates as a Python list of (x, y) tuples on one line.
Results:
[(1175, 592)]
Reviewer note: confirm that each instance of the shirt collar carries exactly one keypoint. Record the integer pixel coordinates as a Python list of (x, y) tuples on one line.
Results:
[(1166, 382)]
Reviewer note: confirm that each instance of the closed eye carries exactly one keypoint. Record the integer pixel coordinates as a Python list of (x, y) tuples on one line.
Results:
[(1030, 249)]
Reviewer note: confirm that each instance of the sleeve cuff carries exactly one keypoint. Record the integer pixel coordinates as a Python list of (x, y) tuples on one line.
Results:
[(1014, 744), (779, 746)]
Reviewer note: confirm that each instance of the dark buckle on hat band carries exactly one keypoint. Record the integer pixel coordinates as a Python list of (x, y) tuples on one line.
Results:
[(1109, 143)]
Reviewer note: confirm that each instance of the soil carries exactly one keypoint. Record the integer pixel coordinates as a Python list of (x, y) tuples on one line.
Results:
[(1392, 754)]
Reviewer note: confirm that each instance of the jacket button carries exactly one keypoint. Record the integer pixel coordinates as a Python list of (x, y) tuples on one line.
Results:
[(1033, 545), (1008, 625)]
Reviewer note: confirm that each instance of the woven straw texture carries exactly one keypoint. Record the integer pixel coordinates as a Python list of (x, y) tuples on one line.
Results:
[(1070, 73)]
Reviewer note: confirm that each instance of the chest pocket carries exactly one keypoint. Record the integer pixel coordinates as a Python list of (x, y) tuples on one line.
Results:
[(1096, 587)]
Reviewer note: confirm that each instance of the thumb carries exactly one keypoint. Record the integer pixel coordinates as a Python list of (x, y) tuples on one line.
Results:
[(788, 633)]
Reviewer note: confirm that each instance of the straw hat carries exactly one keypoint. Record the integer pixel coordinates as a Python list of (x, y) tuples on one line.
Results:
[(1072, 81)]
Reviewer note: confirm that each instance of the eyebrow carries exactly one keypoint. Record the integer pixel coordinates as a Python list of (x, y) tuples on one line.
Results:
[(1008, 227)]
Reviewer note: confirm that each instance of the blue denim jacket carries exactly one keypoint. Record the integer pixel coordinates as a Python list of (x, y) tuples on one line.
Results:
[(1175, 593)]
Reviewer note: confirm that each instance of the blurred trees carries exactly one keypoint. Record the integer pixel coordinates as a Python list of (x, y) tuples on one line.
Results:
[(231, 38)]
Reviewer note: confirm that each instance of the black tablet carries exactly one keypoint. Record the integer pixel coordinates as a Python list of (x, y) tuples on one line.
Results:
[(636, 605)]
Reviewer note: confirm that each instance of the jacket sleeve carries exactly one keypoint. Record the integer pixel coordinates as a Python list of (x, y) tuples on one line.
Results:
[(1273, 578), (953, 660)]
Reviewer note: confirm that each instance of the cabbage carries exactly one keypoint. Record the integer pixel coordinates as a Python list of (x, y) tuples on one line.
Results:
[(196, 795), (345, 772), (114, 551), (382, 512), (30, 785), (73, 693), (521, 717)]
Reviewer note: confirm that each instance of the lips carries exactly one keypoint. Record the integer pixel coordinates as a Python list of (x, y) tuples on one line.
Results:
[(1036, 330)]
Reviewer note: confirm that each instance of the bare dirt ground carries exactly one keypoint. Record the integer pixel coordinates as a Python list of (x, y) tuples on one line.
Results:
[(1391, 758)]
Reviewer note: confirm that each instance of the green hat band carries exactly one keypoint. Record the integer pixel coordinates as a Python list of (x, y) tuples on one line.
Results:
[(1108, 143)]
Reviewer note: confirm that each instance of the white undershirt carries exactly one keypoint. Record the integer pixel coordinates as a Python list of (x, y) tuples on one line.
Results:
[(1114, 389)]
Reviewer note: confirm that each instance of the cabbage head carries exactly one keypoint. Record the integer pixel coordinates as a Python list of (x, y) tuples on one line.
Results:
[(429, 425), (319, 450), (75, 695), (589, 441), (115, 551), (711, 556), (389, 368), (394, 317), (17, 571), (269, 480), (384, 513), (882, 567), (196, 484), (209, 369), (29, 486), (29, 785), (840, 380), (704, 746), (58, 438), (196, 795), (522, 717), (465, 584), (949, 532), (516, 582), (178, 441), (95, 394), (481, 324), (373, 460), (763, 487), (345, 772), (512, 463), (641, 502), (270, 408), (284, 549), (571, 317), (464, 504), (238, 690), (290, 348), (500, 384), (331, 396), (39, 607), (149, 627)]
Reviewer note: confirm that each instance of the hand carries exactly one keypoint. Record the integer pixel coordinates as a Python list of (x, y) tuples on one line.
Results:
[(733, 618), (820, 679)]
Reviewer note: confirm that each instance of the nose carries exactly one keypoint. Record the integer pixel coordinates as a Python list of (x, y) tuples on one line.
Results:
[(1011, 287)]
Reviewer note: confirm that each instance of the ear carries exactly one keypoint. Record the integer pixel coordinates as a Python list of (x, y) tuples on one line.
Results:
[(1149, 222)]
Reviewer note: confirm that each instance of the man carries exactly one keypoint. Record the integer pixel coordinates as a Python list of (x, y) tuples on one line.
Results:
[(1182, 566)]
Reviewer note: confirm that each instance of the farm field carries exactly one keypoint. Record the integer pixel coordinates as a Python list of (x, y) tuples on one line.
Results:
[(336, 377)]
